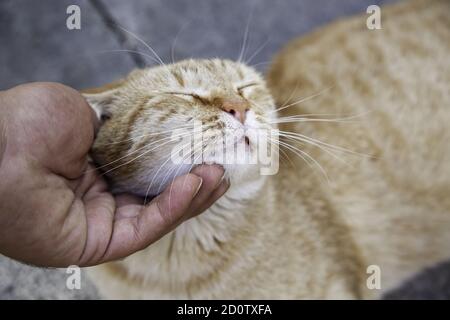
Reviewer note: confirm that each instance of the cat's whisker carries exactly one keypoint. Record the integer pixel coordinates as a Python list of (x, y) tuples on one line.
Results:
[(302, 154), (165, 162), (297, 120), (145, 152), (127, 155), (245, 39), (283, 153), (170, 170), (191, 152), (172, 47), (306, 115), (288, 147), (304, 118), (303, 99), (314, 115), (311, 142), (286, 157), (270, 113), (196, 147), (134, 159), (145, 44), (257, 51), (145, 146), (317, 145), (203, 148), (155, 133), (160, 167), (260, 64), (309, 139), (291, 94), (174, 177), (131, 51)]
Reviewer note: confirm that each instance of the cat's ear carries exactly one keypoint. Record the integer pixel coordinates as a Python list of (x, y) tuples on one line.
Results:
[(100, 103), (102, 99)]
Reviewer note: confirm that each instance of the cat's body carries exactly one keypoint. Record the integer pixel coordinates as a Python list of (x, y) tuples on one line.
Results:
[(294, 235)]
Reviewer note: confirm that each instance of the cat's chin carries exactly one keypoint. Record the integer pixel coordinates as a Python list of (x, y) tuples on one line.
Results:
[(242, 172), (237, 173), (149, 186)]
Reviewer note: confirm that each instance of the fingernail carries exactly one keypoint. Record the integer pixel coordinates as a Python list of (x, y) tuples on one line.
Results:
[(198, 188), (220, 181)]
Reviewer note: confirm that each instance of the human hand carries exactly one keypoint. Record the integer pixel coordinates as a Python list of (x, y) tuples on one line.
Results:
[(54, 211)]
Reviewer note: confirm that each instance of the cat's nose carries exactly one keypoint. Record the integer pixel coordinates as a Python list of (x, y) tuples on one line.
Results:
[(237, 108)]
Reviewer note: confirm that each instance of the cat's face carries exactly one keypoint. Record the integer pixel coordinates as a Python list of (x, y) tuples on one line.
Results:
[(160, 122)]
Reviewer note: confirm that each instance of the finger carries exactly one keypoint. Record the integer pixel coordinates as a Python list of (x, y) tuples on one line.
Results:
[(212, 176), (99, 208), (129, 203), (215, 195), (161, 216), (46, 108), (86, 181), (129, 206)]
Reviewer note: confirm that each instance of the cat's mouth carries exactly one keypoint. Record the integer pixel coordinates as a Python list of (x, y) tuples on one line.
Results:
[(236, 153)]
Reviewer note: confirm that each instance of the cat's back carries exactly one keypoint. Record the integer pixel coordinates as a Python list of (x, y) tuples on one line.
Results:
[(396, 82)]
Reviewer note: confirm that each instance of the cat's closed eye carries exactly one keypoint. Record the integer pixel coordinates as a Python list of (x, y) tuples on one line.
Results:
[(240, 89), (188, 94)]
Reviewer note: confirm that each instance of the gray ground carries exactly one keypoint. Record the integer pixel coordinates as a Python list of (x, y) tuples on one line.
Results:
[(37, 46)]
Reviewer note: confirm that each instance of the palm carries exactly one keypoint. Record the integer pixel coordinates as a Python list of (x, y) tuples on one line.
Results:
[(59, 207)]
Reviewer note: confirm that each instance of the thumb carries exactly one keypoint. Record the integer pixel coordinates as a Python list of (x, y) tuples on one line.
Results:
[(139, 226)]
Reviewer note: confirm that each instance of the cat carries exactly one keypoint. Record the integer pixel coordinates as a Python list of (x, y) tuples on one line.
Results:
[(363, 183)]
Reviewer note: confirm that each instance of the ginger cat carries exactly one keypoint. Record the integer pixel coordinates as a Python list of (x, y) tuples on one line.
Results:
[(313, 229)]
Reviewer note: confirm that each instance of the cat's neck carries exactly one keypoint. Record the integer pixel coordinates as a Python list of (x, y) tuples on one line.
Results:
[(202, 245), (228, 215)]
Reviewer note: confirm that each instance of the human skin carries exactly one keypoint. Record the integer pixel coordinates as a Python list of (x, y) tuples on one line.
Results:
[(55, 208)]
